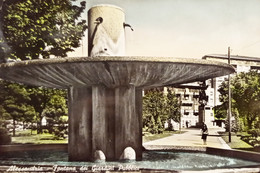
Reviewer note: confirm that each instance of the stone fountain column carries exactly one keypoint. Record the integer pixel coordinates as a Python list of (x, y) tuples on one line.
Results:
[(105, 119)]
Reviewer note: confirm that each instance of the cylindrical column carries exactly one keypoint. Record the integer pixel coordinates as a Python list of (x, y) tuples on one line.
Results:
[(106, 36)]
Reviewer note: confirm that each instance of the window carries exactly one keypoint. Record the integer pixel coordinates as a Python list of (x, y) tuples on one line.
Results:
[(196, 113), (186, 104), (257, 68), (195, 96), (186, 112)]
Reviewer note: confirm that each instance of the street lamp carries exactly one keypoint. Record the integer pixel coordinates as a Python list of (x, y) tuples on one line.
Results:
[(229, 100)]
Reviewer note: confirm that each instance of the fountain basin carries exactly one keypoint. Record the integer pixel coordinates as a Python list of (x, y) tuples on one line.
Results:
[(157, 158), (112, 71)]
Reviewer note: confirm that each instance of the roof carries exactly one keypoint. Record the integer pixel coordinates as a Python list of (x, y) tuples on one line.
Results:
[(232, 57)]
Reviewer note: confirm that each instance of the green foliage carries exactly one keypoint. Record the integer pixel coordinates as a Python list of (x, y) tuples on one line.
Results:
[(154, 106), (236, 141), (236, 122), (174, 107), (56, 113), (50, 103), (34, 28), (245, 98), (254, 132), (39, 98), (253, 138), (15, 102), (253, 141), (159, 108), (30, 104), (150, 137), (220, 112), (27, 136)]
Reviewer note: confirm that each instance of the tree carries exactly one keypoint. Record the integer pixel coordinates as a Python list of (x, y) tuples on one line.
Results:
[(29, 104), (173, 102), (40, 28), (245, 97), (57, 114), (154, 110), (15, 102), (39, 98), (220, 112), (42, 101), (158, 108)]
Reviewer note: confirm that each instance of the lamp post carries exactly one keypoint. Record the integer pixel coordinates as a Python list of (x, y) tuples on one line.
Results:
[(229, 100)]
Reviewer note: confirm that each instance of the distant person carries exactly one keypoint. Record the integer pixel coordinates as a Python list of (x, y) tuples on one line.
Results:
[(205, 133), (187, 124)]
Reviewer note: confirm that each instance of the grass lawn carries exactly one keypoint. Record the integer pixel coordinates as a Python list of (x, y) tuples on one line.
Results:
[(151, 137), (25, 137), (236, 142)]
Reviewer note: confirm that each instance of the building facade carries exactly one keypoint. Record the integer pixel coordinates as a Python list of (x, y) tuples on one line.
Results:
[(189, 98), (192, 98)]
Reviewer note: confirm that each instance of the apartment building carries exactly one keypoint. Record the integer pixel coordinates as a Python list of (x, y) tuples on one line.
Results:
[(189, 99)]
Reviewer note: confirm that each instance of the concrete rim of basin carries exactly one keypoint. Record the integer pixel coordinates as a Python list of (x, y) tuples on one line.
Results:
[(112, 71)]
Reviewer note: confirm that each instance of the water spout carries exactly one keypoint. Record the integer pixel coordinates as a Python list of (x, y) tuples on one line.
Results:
[(128, 25)]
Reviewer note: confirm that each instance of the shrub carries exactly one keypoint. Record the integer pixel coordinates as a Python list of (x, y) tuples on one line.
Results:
[(253, 137), (254, 132), (235, 126), (5, 138)]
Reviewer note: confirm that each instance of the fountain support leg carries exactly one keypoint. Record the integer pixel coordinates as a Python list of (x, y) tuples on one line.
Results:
[(104, 119), (80, 123)]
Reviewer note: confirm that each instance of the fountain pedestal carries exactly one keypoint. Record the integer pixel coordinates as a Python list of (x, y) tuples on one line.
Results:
[(106, 119)]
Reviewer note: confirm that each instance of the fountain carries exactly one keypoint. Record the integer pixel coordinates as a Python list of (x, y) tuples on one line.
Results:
[(105, 89)]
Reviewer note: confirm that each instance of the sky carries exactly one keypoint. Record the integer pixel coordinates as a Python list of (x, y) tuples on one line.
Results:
[(187, 28)]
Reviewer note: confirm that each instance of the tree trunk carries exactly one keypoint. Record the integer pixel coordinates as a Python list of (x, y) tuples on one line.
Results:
[(13, 126), (39, 126), (249, 122)]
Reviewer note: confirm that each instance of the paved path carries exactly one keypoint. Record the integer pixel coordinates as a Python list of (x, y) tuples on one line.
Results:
[(192, 137)]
